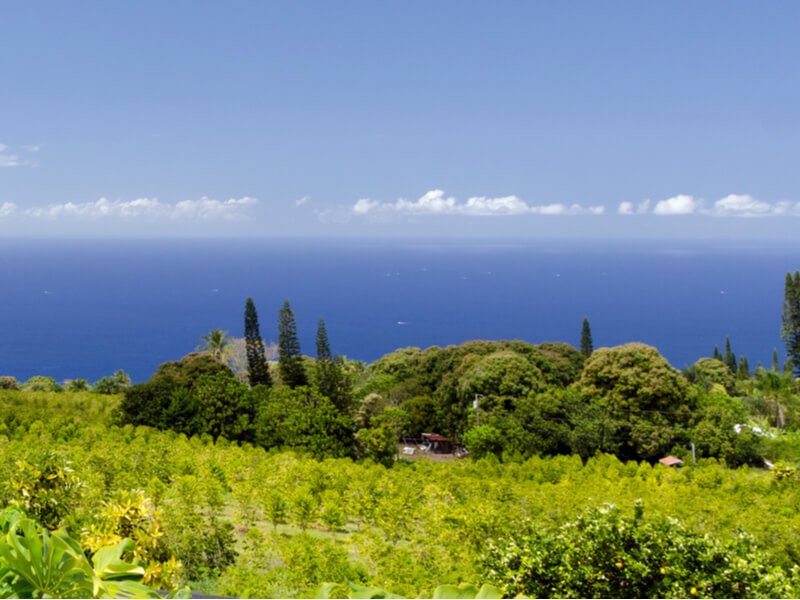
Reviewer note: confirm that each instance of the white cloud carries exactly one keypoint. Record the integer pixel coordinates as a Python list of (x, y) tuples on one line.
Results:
[(435, 202), (302, 201), (742, 205), (628, 208), (732, 205), (9, 160), (677, 205), (208, 208), (202, 209), (7, 208)]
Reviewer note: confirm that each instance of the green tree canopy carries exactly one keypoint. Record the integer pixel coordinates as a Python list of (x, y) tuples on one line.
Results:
[(634, 385)]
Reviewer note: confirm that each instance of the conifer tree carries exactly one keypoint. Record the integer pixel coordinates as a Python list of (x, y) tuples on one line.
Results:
[(323, 346), (743, 370), (729, 358), (586, 339), (790, 329), (257, 368), (290, 362), (776, 365), (332, 382), (717, 354)]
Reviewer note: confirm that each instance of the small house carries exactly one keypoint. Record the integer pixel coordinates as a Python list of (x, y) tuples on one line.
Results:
[(671, 461), (438, 444)]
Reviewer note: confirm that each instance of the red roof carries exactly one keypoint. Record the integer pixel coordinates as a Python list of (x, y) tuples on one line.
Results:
[(670, 461), (434, 437)]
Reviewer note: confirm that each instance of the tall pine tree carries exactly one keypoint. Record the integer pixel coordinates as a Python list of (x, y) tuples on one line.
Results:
[(790, 329), (332, 382), (776, 365), (586, 339), (257, 367), (743, 370), (290, 361), (729, 358), (717, 354)]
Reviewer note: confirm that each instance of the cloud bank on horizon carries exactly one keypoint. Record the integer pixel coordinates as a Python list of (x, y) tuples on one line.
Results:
[(732, 205), (436, 202), (152, 208)]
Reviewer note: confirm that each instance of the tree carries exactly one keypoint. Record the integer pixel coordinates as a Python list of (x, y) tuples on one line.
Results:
[(290, 361), (331, 379), (215, 342), (729, 358), (112, 384), (606, 554), (790, 330), (636, 387), (256, 360), (717, 355), (743, 370), (776, 365), (586, 339)]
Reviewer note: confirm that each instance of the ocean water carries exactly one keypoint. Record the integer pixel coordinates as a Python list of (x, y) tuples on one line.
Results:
[(86, 308)]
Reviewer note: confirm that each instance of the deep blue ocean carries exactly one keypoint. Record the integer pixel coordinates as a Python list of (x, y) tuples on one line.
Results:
[(87, 308)]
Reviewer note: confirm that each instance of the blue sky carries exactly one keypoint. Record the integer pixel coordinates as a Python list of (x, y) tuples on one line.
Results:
[(565, 119)]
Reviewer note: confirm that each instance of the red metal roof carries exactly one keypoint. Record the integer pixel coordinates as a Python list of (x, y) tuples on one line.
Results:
[(434, 437), (670, 461)]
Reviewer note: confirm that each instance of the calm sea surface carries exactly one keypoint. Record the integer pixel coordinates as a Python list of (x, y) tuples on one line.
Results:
[(84, 309)]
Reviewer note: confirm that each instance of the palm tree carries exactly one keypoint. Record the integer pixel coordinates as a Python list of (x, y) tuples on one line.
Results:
[(214, 342)]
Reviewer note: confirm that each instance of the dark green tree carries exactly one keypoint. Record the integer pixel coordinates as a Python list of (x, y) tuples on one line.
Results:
[(290, 361), (776, 365), (743, 370), (586, 339), (717, 355), (257, 367), (332, 381), (790, 330), (323, 345), (729, 358)]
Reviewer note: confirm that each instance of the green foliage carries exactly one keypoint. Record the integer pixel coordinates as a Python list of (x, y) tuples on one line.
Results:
[(35, 563), (303, 420), (352, 590), (790, 319), (189, 369), (215, 342), (290, 361), (708, 371), (587, 347), (257, 368), (224, 407), (638, 389), (729, 358), (41, 383), (378, 444), (76, 385), (46, 487), (483, 440), (7, 382), (604, 554), (112, 384)]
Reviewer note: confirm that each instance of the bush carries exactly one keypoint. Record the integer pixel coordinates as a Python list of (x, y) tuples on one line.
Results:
[(41, 383), (7, 382), (483, 440), (603, 554), (76, 385), (113, 384)]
